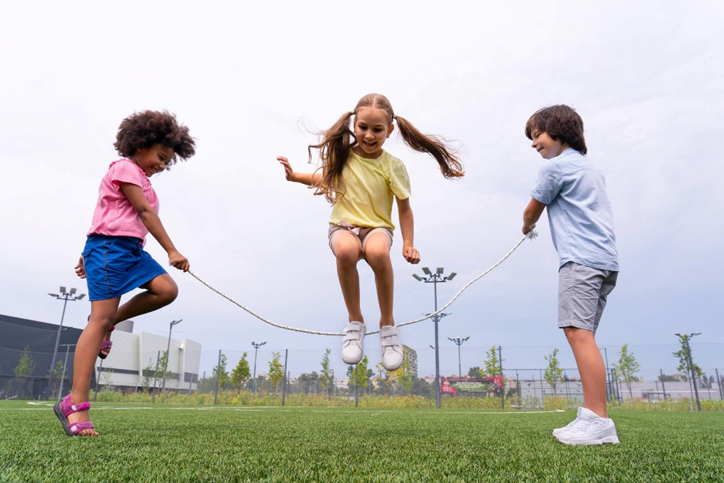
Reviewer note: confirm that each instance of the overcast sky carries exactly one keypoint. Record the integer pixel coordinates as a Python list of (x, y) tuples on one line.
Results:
[(252, 79)]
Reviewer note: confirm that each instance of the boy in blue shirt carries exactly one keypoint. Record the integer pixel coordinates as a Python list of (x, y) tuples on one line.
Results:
[(581, 224)]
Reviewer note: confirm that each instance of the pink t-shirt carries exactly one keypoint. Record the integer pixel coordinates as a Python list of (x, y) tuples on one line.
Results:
[(114, 214)]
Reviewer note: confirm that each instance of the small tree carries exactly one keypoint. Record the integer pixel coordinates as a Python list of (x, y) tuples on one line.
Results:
[(363, 373), (492, 369), (24, 369), (686, 364), (240, 374), (221, 376), (276, 370), (147, 375), (163, 367), (553, 372), (626, 368), (326, 376), (492, 364), (405, 372), (474, 372), (56, 375)]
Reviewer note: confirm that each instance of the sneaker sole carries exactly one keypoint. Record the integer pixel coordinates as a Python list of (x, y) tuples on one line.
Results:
[(606, 440), (392, 368), (352, 361)]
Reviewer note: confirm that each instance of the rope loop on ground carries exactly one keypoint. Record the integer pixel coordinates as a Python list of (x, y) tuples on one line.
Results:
[(531, 235)]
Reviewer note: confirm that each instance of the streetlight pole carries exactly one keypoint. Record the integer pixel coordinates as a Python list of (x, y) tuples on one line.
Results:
[(459, 341), (168, 355), (64, 296), (686, 339), (256, 349), (435, 278)]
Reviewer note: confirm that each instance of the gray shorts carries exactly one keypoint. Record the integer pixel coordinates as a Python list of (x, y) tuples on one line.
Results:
[(582, 293), (360, 233)]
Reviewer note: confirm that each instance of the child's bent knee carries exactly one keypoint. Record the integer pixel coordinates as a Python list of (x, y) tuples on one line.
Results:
[(347, 255)]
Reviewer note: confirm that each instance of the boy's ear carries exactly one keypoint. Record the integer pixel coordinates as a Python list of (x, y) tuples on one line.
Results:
[(390, 129)]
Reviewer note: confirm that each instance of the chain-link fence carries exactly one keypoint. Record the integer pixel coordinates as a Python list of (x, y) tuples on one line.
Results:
[(148, 363)]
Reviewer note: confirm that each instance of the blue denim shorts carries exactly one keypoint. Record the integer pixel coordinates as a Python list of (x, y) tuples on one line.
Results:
[(115, 265)]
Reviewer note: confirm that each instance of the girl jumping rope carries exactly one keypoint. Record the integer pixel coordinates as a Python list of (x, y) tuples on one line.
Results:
[(361, 180), (113, 260)]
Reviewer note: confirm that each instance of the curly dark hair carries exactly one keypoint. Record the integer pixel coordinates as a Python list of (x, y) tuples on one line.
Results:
[(141, 130), (561, 123)]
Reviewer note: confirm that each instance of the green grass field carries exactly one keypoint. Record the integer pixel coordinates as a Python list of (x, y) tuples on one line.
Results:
[(177, 443)]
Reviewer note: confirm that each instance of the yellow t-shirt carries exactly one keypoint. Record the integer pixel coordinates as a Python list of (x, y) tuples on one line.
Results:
[(370, 186)]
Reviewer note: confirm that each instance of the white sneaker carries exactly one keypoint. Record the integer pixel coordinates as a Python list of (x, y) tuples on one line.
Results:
[(392, 353), (573, 423), (589, 429), (353, 342)]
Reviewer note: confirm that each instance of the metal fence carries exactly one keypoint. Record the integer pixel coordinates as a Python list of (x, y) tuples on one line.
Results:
[(138, 371)]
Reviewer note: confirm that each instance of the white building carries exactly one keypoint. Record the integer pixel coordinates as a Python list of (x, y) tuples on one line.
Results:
[(133, 359)]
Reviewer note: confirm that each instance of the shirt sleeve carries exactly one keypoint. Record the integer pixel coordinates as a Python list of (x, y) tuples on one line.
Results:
[(548, 185), (125, 172), (399, 180)]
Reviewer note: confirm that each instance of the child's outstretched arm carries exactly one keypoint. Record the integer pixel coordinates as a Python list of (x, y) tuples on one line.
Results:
[(532, 214), (309, 179), (150, 219), (407, 227)]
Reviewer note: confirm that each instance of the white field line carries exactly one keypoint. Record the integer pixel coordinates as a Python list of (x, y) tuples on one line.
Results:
[(373, 411)]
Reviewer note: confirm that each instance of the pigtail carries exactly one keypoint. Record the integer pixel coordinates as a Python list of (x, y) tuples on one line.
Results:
[(334, 150), (450, 165)]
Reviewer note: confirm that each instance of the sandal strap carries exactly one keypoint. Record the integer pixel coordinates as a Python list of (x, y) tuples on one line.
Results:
[(70, 408), (81, 426)]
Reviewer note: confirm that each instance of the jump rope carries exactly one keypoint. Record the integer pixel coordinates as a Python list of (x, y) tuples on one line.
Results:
[(531, 235)]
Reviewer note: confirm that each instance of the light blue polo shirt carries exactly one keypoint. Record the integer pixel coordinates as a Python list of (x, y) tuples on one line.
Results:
[(579, 211)]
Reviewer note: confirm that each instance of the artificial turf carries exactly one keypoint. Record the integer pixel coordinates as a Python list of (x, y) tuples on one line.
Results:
[(176, 443)]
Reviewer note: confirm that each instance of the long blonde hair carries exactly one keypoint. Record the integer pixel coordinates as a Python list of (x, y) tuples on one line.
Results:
[(338, 141)]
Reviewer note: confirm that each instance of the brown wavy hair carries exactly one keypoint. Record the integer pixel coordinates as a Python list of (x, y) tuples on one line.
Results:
[(561, 123), (338, 141), (141, 130)]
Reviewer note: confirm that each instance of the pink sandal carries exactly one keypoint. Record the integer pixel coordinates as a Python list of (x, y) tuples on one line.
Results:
[(65, 408), (106, 344)]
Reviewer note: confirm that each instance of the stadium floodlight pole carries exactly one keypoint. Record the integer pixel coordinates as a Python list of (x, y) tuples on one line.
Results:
[(459, 341), (435, 278), (168, 354), (686, 339), (256, 349), (65, 296)]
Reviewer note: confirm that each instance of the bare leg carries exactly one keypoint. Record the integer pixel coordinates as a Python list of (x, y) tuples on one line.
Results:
[(377, 254), (160, 292), (103, 312), (347, 251), (591, 367)]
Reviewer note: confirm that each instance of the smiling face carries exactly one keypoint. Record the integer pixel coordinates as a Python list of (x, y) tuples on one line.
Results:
[(372, 127), (153, 160), (546, 146)]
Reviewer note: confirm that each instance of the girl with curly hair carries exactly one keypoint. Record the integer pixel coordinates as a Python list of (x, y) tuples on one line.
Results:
[(113, 260), (361, 181)]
